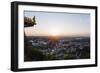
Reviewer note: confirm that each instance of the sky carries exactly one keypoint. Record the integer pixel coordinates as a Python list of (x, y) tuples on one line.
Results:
[(58, 24)]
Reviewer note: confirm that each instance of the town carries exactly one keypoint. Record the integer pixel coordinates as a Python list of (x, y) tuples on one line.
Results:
[(62, 48)]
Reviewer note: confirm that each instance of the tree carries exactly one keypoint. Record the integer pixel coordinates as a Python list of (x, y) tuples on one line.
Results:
[(28, 22)]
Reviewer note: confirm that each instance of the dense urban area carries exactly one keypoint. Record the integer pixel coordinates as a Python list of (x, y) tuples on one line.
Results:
[(42, 48)]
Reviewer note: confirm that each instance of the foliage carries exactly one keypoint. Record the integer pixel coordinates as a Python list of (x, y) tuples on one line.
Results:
[(28, 22)]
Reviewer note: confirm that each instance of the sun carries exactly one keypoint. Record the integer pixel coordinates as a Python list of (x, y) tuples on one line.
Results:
[(55, 33)]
